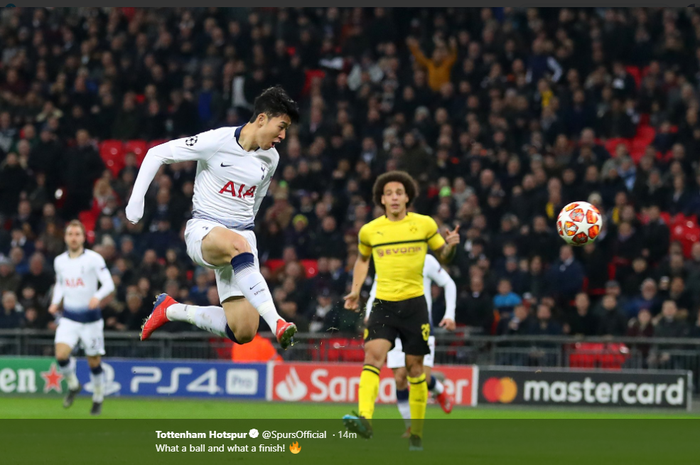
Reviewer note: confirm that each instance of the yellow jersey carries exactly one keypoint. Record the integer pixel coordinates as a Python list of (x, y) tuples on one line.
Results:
[(398, 249)]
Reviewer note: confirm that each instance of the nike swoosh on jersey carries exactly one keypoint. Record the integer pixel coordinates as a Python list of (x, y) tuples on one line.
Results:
[(225, 166)]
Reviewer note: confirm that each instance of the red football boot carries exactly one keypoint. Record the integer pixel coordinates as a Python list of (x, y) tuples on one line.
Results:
[(446, 401), (285, 332), (157, 318)]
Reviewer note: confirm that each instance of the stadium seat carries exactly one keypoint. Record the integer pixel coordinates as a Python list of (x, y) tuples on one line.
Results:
[(341, 349), (138, 147), (274, 264), (687, 233), (89, 220), (598, 355), (112, 153), (310, 266)]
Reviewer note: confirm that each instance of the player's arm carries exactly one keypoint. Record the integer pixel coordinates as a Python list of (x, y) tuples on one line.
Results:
[(359, 273), (196, 148), (106, 283), (264, 186), (440, 277), (444, 248), (58, 290)]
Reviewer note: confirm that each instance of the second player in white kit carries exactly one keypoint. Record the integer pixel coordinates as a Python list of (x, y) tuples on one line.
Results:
[(234, 169), (396, 359), (78, 272)]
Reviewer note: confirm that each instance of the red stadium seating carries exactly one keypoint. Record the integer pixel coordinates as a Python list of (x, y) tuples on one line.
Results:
[(598, 355), (341, 349), (274, 264), (89, 220), (686, 231), (310, 266), (138, 147), (112, 153)]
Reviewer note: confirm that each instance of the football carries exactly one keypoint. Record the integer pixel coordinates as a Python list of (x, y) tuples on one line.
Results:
[(579, 223)]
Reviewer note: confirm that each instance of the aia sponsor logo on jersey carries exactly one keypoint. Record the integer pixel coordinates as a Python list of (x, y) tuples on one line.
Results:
[(75, 282), (238, 192)]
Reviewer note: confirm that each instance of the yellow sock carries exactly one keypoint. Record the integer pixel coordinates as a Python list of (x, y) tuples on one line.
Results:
[(417, 400), (368, 391)]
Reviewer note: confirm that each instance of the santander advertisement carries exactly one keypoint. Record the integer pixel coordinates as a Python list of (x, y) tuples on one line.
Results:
[(317, 382)]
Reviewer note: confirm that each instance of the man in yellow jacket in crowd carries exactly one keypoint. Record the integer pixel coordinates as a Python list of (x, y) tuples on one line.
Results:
[(441, 63)]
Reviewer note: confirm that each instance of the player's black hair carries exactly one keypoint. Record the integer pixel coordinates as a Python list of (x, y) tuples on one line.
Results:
[(394, 176), (273, 102)]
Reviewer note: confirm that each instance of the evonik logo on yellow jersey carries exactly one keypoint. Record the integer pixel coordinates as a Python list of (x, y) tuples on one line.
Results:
[(398, 250)]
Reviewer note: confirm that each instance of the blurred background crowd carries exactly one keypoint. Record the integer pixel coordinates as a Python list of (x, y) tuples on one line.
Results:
[(503, 115)]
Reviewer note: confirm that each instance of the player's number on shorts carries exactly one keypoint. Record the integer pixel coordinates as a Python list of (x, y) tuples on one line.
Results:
[(425, 330), (95, 343)]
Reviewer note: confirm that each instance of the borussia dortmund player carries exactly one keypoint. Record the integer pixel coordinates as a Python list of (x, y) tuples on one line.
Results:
[(398, 242)]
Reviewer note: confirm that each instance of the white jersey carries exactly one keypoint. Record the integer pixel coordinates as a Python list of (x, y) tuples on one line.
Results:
[(432, 272), (76, 284), (230, 183)]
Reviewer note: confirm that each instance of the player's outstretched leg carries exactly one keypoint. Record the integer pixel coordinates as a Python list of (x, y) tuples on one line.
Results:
[(445, 400), (97, 377), (211, 319), (67, 368), (255, 289)]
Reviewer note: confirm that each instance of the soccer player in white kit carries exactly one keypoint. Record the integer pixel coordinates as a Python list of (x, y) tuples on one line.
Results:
[(77, 272), (396, 359), (234, 169)]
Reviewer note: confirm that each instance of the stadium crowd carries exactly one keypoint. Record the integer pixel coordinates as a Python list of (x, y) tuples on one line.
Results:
[(503, 115)]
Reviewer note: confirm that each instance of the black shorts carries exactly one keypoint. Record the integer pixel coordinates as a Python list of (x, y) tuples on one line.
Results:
[(407, 319)]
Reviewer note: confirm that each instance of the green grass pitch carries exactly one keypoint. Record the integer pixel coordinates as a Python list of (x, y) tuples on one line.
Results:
[(487, 435), (177, 408)]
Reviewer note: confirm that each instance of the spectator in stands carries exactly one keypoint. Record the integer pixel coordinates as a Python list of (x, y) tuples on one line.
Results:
[(11, 315), (80, 167), (647, 299), (506, 299), (38, 278), (440, 64), (476, 307), (641, 326), (584, 322), (668, 326), (611, 320), (9, 281), (565, 277)]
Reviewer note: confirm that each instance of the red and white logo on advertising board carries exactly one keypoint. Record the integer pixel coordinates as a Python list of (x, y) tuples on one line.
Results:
[(321, 382)]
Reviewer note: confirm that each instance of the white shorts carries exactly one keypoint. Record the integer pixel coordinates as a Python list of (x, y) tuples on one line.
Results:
[(196, 230), (395, 358), (90, 335)]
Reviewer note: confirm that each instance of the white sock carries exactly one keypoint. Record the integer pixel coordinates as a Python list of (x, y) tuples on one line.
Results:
[(212, 319), (439, 387), (405, 411), (254, 288), (68, 372), (98, 383)]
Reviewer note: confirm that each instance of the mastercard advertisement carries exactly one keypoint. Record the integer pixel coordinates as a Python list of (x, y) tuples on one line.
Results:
[(608, 388)]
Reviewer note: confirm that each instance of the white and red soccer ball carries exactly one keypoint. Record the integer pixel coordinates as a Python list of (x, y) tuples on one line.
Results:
[(579, 223)]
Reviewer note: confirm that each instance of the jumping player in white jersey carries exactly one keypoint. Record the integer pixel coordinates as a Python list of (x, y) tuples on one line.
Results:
[(234, 169), (77, 272), (396, 359)]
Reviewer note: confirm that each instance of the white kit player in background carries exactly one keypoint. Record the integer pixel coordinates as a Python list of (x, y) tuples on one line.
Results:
[(234, 168), (396, 359), (77, 272)]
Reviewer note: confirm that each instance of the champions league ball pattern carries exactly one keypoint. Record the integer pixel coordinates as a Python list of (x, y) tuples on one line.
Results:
[(579, 223)]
